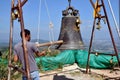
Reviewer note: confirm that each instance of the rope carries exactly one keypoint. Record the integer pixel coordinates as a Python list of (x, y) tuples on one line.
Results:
[(47, 10), (51, 31), (39, 13), (117, 28), (51, 34)]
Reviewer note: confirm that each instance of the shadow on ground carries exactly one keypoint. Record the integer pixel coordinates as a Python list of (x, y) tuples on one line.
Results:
[(61, 77)]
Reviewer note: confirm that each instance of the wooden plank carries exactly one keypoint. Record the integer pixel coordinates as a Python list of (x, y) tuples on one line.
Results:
[(49, 43)]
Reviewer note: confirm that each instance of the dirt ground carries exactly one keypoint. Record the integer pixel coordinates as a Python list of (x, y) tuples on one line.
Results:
[(73, 72), (70, 75)]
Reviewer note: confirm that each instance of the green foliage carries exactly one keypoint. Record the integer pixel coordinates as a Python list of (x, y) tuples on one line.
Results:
[(52, 53), (3, 69), (5, 54), (15, 74), (3, 65)]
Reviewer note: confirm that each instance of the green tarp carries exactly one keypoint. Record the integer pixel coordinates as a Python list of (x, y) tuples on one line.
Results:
[(96, 61), (71, 57), (49, 63), (76, 56)]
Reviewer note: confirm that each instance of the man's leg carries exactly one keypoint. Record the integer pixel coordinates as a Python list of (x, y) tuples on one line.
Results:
[(24, 78)]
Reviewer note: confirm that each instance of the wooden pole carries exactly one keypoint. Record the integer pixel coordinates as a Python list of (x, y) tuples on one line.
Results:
[(111, 35), (10, 41), (24, 41), (96, 13), (110, 31), (49, 43), (90, 46), (17, 68)]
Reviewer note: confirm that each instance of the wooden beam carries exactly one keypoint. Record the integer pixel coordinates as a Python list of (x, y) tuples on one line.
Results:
[(17, 69), (50, 43)]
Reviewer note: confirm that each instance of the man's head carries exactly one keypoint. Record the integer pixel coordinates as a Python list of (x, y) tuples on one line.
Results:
[(27, 34)]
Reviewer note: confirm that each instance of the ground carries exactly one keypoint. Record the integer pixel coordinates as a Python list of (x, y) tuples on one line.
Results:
[(69, 72), (73, 72)]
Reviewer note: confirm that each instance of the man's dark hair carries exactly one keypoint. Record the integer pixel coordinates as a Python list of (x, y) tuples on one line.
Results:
[(27, 32)]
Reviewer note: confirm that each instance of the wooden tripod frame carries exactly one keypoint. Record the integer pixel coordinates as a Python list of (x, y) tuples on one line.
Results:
[(93, 29), (18, 7)]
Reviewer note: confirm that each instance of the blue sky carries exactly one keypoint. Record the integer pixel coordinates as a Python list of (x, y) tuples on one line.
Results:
[(55, 8)]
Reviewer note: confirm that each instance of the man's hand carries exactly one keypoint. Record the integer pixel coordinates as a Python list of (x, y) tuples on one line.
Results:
[(43, 53), (15, 58)]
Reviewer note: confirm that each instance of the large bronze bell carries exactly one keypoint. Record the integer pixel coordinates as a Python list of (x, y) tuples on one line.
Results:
[(70, 31)]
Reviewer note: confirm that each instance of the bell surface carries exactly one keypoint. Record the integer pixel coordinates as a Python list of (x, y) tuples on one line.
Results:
[(70, 34)]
